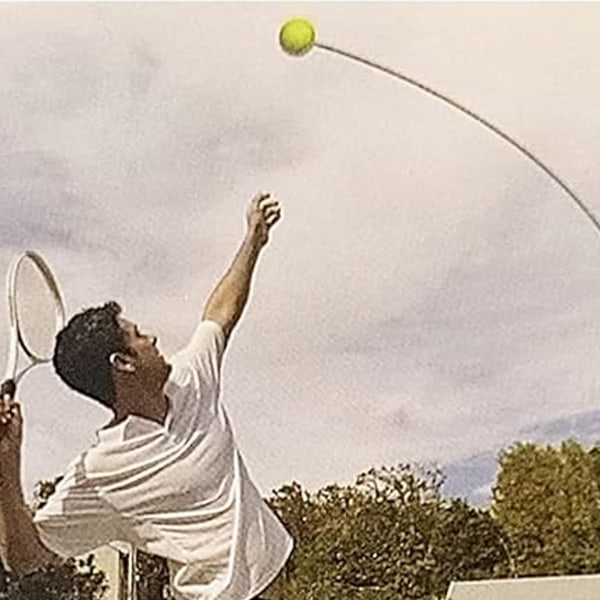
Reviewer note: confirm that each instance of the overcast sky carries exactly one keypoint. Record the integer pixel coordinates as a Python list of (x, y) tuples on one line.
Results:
[(430, 295)]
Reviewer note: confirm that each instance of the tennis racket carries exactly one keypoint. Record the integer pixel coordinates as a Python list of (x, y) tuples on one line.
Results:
[(36, 314)]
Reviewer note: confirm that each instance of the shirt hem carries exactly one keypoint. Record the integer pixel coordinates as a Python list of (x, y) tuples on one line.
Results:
[(272, 575)]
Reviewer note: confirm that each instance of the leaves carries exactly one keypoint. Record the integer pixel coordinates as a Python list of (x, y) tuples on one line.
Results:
[(390, 535), (152, 577), (547, 500), (80, 580)]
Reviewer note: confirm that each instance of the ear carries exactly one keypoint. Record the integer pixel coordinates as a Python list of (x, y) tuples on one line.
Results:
[(121, 362)]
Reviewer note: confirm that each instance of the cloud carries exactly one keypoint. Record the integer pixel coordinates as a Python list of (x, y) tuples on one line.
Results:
[(40, 203), (428, 295), (583, 426)]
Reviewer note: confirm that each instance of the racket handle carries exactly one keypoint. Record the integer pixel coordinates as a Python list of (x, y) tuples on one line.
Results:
[(9, 387)]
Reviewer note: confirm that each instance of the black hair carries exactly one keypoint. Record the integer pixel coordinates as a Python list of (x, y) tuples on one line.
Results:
[(83, 348)]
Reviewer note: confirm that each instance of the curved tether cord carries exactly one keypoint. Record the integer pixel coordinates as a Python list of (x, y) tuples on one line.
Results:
[(477, 118)]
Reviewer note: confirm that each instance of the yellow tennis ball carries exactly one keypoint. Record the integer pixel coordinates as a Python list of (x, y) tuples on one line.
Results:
[(297, 36)]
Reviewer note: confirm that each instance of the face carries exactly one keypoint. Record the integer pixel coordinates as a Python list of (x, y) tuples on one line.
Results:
[(149, 364)]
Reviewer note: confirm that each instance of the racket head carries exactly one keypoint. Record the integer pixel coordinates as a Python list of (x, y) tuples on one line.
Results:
[(36, 306)]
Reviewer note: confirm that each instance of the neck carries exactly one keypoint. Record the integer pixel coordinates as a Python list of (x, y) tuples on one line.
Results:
[(132, 399)]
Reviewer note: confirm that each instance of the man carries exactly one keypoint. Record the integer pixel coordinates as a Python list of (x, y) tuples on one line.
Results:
[(164, 474)]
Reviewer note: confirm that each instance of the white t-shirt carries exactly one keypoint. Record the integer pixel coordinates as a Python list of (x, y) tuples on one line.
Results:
[(178, 490)]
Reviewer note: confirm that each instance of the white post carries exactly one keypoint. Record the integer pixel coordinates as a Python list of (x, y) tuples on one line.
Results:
[(131, 582)]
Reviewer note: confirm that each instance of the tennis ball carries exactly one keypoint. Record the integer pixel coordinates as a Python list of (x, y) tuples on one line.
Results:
[(297, 36)]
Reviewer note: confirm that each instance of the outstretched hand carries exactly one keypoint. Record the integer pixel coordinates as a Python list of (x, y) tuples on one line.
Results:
[(263, 212)]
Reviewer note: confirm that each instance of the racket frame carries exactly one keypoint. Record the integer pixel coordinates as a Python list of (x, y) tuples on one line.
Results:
[(16, 338)]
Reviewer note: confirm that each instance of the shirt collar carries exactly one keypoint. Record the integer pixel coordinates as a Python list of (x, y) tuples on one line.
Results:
[(134, 426)]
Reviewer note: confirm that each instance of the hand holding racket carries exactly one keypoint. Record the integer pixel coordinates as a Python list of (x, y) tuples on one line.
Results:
[(11, 432), (36, 312)]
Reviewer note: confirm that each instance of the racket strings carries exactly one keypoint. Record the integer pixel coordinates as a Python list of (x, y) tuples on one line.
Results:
[(38, 309)]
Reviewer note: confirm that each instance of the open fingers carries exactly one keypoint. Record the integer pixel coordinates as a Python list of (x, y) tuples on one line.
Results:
[(268, 206), (272, 217), (260, 199), (264, 211)]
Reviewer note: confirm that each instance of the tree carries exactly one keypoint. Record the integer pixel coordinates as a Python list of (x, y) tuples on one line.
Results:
[(547, 500), (72, 579), (595, 456), (390, 535), (386, 542), (152, 577), (468, 544)]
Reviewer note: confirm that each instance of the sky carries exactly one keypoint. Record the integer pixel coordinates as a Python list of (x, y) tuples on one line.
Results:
[(430, 296)]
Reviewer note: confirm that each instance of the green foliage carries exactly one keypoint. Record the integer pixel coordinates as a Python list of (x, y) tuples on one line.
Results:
[(43, 491), (71, 580), (468, 544), (152, 576), (547, 500), (390, 535)]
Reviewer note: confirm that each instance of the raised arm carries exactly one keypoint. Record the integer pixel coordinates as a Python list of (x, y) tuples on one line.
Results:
[(227, 301), (20, 546)]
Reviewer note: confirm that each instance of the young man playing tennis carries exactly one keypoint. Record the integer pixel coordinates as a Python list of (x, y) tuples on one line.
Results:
[(164, 474)]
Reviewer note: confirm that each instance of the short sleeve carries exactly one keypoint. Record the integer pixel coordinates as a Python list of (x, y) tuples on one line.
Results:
[(204, 353), (76, 520)]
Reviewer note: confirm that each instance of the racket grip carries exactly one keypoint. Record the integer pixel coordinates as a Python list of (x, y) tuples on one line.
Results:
[(9, 387)]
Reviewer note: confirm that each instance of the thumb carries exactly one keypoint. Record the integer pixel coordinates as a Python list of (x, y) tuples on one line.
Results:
[(8, 388)]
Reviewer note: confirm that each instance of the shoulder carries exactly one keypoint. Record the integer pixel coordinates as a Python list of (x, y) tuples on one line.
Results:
[(208, 333), (204, 349)]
